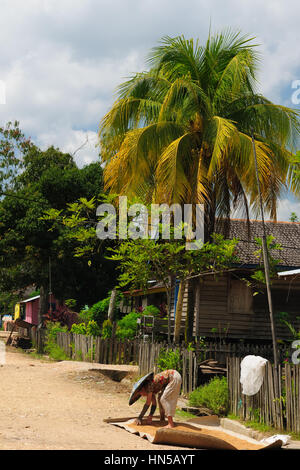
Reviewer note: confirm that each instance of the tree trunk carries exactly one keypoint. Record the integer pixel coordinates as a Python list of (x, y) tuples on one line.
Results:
[(112, 305), (43, 305), (197, 305), (189, 321), (179, 311), (169, 314)]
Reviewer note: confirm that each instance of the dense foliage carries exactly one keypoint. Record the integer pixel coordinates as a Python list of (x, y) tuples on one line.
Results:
[(46, 180), (213, 396)]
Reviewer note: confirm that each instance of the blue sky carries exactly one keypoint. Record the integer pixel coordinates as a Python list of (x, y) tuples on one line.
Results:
[(61, 60)]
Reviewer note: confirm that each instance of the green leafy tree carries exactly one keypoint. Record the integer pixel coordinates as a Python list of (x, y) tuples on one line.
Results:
[(49, 180), (143, 260), (294, 217), (13, 145)]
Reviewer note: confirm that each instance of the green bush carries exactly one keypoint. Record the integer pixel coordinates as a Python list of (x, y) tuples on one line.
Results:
[(89, 329), (93, 329), (151, 310), (106, 329), (78, 328), (51, 347), (213, 395), (127, 326), (169, 359), (70, 303), (98, 312)]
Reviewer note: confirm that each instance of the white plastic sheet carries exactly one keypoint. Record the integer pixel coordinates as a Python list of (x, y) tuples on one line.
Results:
[(284, 438), (252, 374)]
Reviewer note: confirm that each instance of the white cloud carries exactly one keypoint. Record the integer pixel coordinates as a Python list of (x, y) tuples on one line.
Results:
[(286, 207), (61, 60), (82, 145)]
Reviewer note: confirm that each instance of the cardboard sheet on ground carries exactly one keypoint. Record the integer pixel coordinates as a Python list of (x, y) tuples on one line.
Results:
[(187, 435)]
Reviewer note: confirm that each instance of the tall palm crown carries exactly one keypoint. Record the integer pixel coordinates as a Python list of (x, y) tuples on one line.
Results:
[(181, 132)]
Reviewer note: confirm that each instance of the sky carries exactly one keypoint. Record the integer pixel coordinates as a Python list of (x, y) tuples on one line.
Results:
[(61, 60)]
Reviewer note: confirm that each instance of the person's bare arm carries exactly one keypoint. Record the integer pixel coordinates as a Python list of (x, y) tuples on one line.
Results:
[(145, 408), (152, 409)]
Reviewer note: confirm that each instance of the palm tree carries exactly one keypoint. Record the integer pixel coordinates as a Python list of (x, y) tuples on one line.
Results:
[(181, 131)]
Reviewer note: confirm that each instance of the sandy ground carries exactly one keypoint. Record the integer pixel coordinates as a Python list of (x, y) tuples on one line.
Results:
[(61, 405), (49, 405)]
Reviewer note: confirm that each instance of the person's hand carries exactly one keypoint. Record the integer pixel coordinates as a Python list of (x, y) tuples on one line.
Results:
[(138, 421), (149, 420)]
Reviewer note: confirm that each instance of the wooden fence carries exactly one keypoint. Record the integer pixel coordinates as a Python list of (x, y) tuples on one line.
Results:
[(97, 349), (279, 408), (113, 351), (276, 404), (220, 350)]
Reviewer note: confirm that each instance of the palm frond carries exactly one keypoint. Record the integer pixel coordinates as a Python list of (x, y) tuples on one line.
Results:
[(172, 169)]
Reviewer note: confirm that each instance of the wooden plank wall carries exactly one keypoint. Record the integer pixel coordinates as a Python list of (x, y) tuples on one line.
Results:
[(215, 305)]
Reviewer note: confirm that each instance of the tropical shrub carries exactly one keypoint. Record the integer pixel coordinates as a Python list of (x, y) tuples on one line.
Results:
[(79, 328), (70, 303), (213, 395), (151, 310), (89, 329), (127, 326), (93, 329), (106, 329), (51, 346), (169, 359), (98, 312)]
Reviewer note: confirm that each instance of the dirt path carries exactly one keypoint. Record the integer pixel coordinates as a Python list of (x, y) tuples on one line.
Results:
[(61, 405)]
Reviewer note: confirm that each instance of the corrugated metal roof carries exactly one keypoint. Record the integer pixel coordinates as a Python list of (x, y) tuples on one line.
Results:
[(292, 272), (29, 300)]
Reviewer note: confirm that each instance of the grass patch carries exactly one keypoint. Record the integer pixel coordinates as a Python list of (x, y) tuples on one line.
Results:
[(264, 428), (181, 414), (56, 353), (39, 356)]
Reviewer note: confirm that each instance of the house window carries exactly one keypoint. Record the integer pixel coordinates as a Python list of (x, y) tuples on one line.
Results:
[(240, 298)]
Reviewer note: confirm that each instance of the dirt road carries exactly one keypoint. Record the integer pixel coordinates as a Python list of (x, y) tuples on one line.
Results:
[(61, 405)]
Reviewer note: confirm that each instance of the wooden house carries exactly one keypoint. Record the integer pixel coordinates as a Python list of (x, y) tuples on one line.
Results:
[(227, 305), (28, 309)]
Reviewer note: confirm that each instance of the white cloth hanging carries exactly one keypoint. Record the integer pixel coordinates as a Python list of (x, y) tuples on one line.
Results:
[(252, 374)]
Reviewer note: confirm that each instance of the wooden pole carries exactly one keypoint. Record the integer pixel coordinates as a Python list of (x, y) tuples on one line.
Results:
[(112, 304), (266, 264), (50, 286)]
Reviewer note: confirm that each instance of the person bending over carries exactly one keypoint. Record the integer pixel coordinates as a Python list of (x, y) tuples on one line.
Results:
[(166, 385)]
